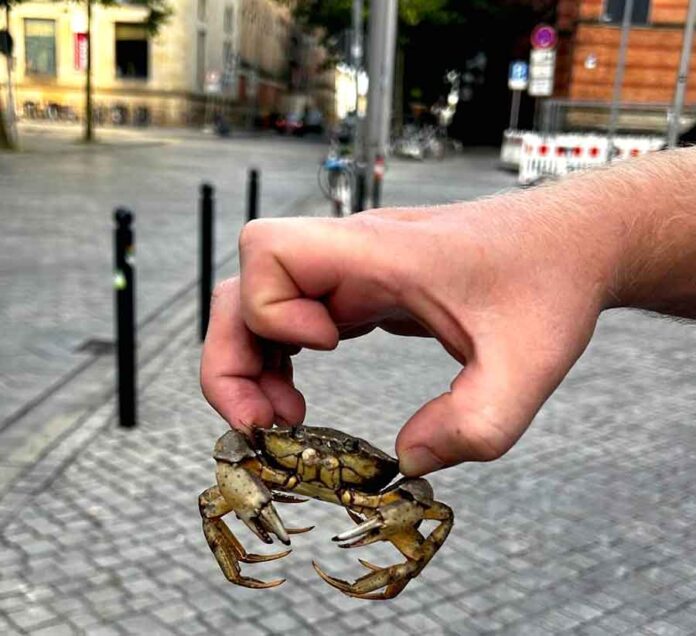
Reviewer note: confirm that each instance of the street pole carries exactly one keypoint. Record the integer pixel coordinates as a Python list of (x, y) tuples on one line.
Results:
[(684, 63), (358, 133), (515, 109), (619, 76), (357, 51), (382, 43)]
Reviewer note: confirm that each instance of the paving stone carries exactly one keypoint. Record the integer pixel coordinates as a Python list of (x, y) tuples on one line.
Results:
[(279, 622), (664, 628), (102, 630), (54, 629)]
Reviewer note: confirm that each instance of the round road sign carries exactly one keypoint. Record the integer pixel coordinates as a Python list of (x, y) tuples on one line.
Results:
[(544, 37)]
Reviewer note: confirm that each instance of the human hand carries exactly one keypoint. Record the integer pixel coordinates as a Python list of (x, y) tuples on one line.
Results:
[(514, 307)]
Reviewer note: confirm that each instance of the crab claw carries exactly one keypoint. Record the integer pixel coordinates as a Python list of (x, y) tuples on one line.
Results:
[(299, 530), (252, 502), (371, 524), (282, 497)]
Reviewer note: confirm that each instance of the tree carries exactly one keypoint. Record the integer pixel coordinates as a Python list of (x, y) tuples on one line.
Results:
[(436, 36)]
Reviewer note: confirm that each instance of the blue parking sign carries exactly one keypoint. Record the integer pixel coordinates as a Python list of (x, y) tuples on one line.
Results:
[(518, 78)]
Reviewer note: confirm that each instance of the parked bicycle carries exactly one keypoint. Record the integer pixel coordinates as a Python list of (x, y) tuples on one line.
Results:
[(337, 179)]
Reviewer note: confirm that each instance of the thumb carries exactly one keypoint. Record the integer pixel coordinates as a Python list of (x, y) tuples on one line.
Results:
[(486, 411)]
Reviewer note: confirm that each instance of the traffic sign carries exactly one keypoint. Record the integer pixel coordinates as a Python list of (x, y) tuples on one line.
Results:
[(541, 72), (518, 77), (544, 37)]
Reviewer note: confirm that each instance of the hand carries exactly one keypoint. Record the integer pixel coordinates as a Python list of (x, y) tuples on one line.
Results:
[(512, 303)]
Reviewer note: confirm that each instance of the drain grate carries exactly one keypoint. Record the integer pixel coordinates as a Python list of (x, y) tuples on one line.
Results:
[(96, 347)]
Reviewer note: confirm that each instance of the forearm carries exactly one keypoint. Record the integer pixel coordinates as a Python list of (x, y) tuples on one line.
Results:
[(631, 227)]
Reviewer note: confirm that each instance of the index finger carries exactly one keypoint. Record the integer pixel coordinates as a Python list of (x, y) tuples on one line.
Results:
[(233, 376)]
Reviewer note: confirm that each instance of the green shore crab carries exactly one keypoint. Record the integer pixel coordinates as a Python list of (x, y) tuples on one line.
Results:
[(282, 462)]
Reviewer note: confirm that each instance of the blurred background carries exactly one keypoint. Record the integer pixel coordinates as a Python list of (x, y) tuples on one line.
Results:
[(193, 117)]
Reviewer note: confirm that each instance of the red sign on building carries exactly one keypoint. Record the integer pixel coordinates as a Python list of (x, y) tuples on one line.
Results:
[(80, 51)]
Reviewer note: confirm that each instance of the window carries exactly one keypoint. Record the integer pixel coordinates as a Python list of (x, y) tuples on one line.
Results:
[(132, 51), (228, 21), (614, 11), (202, 10), (40, 47)]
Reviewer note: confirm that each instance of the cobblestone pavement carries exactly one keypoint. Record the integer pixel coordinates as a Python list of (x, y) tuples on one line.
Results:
[(56, 254), (585, 528)]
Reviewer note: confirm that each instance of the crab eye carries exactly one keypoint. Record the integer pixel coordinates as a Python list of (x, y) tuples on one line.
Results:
[(298, 432), (351, 445)]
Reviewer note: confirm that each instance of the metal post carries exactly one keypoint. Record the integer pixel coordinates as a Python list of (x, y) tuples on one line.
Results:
[(515, 109), (684, 64), (253, 195), (619, 76), (360, 188), (382, 43), (206, 255), (357, 51), (358, 134), (124, 284)]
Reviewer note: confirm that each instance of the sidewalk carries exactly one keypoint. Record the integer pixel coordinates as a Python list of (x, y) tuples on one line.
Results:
[(584, 528)]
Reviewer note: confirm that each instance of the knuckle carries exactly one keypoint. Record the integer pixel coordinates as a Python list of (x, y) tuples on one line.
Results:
[(224, 287), (252, 233)]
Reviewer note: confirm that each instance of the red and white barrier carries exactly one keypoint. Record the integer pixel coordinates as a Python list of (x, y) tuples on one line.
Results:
[(557, 155)]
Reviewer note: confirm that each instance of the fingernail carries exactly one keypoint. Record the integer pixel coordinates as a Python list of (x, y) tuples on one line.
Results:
[(418, 461)]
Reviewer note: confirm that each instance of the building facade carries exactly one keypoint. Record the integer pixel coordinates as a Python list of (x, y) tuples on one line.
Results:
[(210, 57), (590, 32)]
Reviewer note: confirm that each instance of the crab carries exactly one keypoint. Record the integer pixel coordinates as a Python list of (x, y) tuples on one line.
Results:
[(281, 462)]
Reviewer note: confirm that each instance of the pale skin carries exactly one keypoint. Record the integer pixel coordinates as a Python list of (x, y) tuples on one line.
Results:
[(511, 286)]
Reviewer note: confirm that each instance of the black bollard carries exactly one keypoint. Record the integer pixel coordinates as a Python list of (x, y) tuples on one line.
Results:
[(206, 254), (124, 284), (360, 189), (253, 195)]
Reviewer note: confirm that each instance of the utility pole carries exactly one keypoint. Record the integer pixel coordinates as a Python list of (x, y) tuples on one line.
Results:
[(619, 76), (684, 63), (357, 47), (382, 46), (358, 133)]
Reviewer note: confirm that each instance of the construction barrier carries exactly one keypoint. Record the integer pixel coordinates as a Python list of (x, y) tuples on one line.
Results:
[(557, 155), (511, 149)]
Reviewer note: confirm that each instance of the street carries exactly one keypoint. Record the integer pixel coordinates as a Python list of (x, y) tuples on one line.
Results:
[(584, 528)]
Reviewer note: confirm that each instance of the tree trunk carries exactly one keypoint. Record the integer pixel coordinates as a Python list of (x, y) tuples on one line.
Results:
[(5, 140), (8, 123), (89, 132)]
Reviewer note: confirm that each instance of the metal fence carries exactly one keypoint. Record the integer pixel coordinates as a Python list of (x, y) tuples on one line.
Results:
[(567, 115)]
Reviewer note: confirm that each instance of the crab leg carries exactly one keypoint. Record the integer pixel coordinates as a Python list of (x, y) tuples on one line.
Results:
[(225, 546), (393, 516)]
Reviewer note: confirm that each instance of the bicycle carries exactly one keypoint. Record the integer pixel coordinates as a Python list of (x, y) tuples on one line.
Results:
[(336, 176)]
